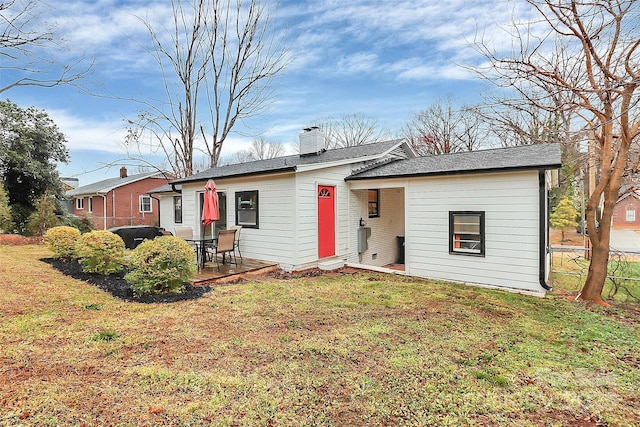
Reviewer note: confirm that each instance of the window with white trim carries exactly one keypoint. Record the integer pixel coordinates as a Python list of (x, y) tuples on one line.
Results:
[(145, 203), (466, 233), (89, 204), (80, 203), (631, 215)]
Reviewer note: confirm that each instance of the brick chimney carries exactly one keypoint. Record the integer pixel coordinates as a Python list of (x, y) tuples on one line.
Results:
[(123, 172)]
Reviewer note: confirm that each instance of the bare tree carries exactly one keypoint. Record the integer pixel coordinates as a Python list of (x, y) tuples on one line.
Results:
[(445, 128), (511, 125), (26, 45), (217, 59), (586, 63), (260, 149), (350, 130), (522, 124)]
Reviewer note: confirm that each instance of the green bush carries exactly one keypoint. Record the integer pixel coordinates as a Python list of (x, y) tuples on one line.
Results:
[(82, 223), (160, 266), (100, 252), (43, 218), (62, 241)]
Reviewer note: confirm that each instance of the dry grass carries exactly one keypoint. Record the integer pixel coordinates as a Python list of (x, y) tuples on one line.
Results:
[(361, 349), (571, 238)]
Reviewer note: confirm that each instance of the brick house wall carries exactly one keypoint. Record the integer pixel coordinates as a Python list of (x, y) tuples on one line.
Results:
[(620, 219), (122, 205)]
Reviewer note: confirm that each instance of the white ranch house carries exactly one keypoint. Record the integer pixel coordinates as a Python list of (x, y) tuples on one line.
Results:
[(478, 217)]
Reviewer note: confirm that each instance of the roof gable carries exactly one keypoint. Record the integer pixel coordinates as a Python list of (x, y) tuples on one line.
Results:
[(545, 156), (629, 191), (104, 186)]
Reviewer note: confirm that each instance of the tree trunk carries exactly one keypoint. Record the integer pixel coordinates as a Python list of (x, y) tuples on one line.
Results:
[(609, 187), (592, 290)]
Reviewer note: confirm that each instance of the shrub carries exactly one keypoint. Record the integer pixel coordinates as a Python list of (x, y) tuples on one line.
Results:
[(100, 252), (62, 241), (161, 265), (82, 223), (42, 218)]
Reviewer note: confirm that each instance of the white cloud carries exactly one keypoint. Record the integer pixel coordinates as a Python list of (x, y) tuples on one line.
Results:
[(360, 62), (437, 34), (86, 134)]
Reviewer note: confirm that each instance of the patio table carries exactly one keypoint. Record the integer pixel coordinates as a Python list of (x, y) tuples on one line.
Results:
[(200, 244)]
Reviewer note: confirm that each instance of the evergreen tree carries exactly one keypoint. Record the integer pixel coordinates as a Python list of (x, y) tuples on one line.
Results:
[(43, 218), (564, 216)]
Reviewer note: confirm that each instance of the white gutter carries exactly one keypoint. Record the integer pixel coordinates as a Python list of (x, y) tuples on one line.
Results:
[(104, 210)]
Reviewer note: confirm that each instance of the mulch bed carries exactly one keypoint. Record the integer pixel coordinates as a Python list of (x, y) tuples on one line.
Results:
[(119, 288)]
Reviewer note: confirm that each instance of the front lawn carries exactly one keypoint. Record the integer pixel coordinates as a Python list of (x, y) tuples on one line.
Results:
[(337, 350)]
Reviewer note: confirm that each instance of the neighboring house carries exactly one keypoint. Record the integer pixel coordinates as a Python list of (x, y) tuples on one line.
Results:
[(119, 201), (476, 217), (626, 213), (69, 184)]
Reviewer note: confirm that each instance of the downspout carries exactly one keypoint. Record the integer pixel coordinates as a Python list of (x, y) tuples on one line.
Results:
[(544, 229)]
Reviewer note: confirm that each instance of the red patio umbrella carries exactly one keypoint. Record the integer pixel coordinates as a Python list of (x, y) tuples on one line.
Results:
[(210, 210)]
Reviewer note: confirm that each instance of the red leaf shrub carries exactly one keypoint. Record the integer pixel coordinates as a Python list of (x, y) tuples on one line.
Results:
[(16, 240)]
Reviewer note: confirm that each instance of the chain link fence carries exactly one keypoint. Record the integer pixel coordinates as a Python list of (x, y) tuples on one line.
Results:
[(623, 272)]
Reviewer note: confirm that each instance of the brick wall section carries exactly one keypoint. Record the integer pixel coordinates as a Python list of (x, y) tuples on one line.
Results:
[(123, 205), (620, 213)]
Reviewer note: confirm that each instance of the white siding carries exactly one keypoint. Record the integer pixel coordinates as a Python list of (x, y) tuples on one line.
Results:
[(166, 211), (417, 208), (307, 212), (274, 239), (288, 215), (510, 203), (190, 206)]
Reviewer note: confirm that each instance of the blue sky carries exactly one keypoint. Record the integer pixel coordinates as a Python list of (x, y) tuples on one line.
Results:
[(384, 58)]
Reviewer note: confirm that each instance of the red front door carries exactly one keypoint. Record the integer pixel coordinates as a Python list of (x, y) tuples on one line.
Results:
[(326, 221)]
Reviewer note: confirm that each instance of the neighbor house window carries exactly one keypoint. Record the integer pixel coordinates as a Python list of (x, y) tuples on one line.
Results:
[(631, 215), (89, 204), (466, 233), (80, 203), (374, 203), (177, 209), (145, 203), (247, 209)]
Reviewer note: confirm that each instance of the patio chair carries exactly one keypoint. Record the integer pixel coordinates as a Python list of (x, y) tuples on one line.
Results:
[(236, 242), (187, 234), (225, 245), (184, 232)]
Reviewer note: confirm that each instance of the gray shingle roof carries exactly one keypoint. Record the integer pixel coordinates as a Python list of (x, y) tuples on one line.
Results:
[(104, 186), (545, 156), (166, 188), (629, 190), (290, 163)]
